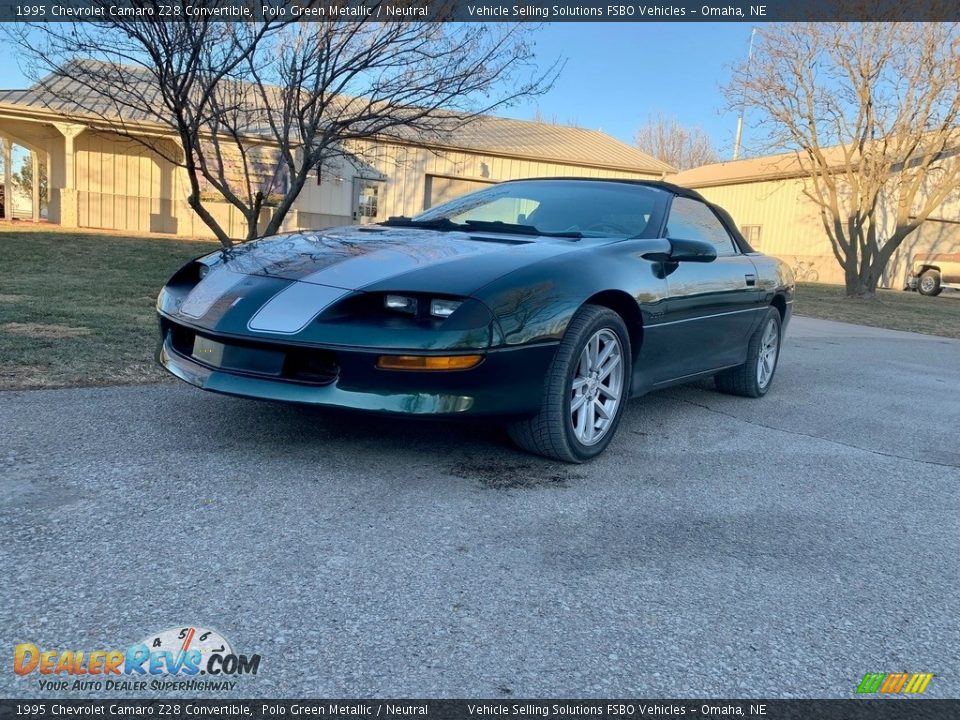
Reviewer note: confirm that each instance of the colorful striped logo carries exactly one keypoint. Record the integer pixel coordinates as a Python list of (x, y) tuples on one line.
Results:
[(895, 683)]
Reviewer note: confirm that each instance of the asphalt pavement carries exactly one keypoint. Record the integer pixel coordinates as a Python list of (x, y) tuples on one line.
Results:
[(721, 547)]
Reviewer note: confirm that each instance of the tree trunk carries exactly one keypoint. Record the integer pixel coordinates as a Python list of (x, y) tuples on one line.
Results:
[(851, 270), (297, 181), (860, 288), (862, 282), (194, 202)]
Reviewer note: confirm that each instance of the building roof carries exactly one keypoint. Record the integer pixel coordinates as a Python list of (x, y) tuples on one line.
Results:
[(547, 142), (735, 172), (61, 95), (775, 167)]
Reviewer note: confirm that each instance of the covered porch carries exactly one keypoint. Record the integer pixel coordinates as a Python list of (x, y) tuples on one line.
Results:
[(49, 146), (97, 178)]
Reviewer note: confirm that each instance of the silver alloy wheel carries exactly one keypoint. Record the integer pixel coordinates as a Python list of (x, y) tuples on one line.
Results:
[(767, 360), (927, 284), (597, 387)]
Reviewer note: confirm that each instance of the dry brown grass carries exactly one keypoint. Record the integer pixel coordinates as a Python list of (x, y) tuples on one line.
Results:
[(47, 331), (77, 307), (891, 309), (23, 377)]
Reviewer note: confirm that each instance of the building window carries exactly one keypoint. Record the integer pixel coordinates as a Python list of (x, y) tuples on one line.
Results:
[(752, 234), (366, 198)]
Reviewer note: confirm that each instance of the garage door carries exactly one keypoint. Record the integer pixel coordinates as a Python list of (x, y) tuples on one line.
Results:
[(441, 189)]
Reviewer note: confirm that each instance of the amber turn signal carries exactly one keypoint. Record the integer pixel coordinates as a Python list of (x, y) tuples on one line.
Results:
[(428, 362)]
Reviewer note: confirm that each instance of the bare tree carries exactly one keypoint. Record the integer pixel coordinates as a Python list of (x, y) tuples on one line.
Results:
[(254, 108), (666, 139), (539, 117), (872, 113)]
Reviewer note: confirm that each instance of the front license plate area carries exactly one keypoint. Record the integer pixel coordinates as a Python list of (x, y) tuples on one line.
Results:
[(209, 352), (237, 357)]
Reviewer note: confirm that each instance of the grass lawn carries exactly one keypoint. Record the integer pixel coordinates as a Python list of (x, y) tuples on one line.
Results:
[(893, 309), (77, 308)]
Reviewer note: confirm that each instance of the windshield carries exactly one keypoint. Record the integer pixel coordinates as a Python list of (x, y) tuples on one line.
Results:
[(571, 208)]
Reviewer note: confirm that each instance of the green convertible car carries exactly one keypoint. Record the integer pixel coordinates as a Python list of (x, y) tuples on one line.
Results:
[(547, 303)]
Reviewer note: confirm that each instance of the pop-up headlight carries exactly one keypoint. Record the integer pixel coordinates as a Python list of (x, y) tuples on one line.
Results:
[(401, 303), (443, 308)]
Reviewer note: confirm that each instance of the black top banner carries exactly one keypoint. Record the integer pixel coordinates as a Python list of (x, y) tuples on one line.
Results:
[(511, 709), (755, 11)]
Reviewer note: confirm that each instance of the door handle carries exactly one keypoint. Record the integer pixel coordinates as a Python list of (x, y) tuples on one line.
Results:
[(751, 279)]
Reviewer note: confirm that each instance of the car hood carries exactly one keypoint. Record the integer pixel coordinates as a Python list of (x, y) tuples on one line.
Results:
[(400, 259)]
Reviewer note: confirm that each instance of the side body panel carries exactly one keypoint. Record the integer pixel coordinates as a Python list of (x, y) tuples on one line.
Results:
[(535, 304), (709, 316), (774, 278), (691, 317)]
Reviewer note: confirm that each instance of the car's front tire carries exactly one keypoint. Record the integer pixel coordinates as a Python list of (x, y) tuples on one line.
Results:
[(930, 283), (754, 377), (585, 390)]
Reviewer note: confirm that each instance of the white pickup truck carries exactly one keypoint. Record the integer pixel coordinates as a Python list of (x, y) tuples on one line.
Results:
[(930, 274)]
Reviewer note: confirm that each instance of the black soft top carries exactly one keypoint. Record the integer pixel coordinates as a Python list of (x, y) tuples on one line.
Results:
[(724, 216), (659, 184)]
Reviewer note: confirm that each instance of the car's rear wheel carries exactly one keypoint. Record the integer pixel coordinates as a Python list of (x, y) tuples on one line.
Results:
[(930, 283), (753, 378), (585, 391)]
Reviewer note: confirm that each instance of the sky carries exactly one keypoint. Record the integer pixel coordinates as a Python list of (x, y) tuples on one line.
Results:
[(616, 76), (619, 74)]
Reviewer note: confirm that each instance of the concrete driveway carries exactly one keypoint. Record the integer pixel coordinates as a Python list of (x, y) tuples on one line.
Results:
[(721, 546)]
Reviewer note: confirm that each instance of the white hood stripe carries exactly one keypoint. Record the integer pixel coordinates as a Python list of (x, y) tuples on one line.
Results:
[(214, 286), (364, 269), (292, 309)]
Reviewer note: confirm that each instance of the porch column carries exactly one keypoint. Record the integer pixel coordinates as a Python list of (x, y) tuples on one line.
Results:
[(69, 212), (35, 158), (7, 178)]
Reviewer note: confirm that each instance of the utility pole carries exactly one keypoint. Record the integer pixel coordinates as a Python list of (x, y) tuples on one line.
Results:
[(736, 142)]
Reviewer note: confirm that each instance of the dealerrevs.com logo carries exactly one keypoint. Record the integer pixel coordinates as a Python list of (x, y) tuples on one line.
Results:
[(895, 683), (168, 660)]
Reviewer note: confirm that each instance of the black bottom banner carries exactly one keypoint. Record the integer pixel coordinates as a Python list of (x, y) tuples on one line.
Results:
[(901, 709)]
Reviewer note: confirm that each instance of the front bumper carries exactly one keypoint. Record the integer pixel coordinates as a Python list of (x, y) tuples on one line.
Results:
[(508, 382)]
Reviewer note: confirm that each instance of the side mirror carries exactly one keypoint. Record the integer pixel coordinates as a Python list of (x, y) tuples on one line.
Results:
[(692, 251), (671, 250)]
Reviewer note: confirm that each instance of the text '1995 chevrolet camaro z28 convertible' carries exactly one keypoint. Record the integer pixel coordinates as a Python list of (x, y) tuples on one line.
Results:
[(548, 303)]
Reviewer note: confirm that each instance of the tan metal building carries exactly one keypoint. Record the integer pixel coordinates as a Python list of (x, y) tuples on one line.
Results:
[(765, 196), (98, 179)]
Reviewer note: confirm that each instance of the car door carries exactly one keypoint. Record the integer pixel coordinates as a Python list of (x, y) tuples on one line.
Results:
[(711, 307)]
